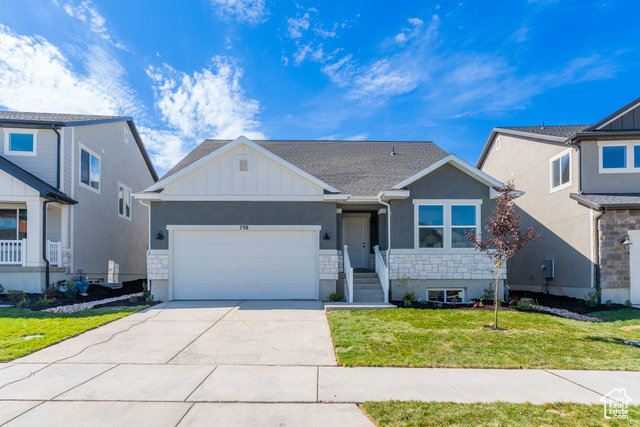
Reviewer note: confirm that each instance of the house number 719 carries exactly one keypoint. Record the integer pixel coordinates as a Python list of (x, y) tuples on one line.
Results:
[(244, 227)]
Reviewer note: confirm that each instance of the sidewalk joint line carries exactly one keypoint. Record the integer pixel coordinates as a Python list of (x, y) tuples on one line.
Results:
[(22, 413), (317, 384), (578, 384), (185, 414), (436, 370), (84, 382), (201, 382)]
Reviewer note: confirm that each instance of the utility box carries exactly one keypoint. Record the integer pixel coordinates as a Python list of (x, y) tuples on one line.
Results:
[(548, 268)]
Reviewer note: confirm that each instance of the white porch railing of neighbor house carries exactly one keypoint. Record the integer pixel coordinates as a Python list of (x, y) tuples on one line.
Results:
[(383, 272), (348, 272), (13, 252), (54, 252)]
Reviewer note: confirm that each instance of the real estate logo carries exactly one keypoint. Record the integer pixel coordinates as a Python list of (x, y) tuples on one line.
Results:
[(616, 404)]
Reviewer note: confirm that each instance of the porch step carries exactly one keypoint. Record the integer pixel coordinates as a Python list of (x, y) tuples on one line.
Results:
[(365, 275), (367, 288)]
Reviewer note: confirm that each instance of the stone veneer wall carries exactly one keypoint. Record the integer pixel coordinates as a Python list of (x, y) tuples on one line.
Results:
[(614, 257), (158, 267), (329, 266), (442, 266)]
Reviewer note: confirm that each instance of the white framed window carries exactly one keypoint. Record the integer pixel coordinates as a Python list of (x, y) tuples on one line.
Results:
[(444, 224), (619, 156), (124, 201), (89, 169), (498, 142), (445, 295), (20, 142), (560, 171)]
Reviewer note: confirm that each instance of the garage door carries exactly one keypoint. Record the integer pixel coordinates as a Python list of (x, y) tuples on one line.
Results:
[(245, 264)]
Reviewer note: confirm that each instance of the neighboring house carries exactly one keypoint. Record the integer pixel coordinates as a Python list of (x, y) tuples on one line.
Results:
[(582, 194), (269, 219), (65, 199)]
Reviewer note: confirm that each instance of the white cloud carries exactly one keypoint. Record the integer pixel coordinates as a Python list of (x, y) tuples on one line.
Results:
[(381, 80), (36, 76), (359, 137), (409, 33), (166, 147), (252, 12), (297, 25), (207, 104), (86, 12)]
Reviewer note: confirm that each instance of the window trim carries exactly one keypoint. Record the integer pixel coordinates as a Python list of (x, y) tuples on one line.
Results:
[(498, 142), (123, 214), (7, 136), (446, 240), (94, 154), (464, 294), (558, 156), (629, 144)]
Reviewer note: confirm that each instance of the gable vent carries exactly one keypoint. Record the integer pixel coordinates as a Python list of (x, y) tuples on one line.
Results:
[(244, 165)]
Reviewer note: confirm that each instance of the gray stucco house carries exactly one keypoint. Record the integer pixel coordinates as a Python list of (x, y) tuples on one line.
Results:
[(271, 219), (582, 194), (65, 199)]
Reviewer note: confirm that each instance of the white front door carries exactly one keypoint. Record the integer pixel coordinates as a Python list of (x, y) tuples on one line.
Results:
[(634, 266), (354, 235)]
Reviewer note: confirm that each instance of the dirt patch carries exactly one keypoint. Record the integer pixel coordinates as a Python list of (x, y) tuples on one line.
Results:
[(94, 293)]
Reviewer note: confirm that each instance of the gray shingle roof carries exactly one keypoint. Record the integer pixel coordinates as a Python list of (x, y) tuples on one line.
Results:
[(54, 117), (359, 168), (559, 131), (611, 201)]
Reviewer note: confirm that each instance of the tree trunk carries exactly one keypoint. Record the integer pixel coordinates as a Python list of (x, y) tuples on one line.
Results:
[(495, 314)]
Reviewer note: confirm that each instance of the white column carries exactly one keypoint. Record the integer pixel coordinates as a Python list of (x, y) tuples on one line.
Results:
[(34, 234)]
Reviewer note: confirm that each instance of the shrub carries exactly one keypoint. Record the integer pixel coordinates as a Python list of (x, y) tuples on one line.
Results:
[(591, 299), (50, 292), (608, 303), (70, 291), (335, 297), (145, 291), (488, 292), (149, 298), (628, 303), (408, 292), (525, 303), (23, 302), (1, 289), (133, 299), (45, 300), (15, 295)]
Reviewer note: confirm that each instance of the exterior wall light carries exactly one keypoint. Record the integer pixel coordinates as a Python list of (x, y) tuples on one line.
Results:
[(159, 236), (326, 236)]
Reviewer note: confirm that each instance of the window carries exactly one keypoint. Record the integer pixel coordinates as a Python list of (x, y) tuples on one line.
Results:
[(498, 142), (124, 201), (561, 171), (89, 169), (13, 224), (445, 295), (243, 164), (126, 135), (446, 223), (20, 142), (619, 157)]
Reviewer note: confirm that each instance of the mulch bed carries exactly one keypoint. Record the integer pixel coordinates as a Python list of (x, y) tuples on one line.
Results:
[(95, 293), (576, 305), (428, 305)]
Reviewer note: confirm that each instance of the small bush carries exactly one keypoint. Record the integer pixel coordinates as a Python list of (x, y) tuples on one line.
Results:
[(133, 300), (70, 291), (525, 303), (409, 293), (608, 303), (335, 297), (488, 293), (50, 291), (145, 291), (591, 299), (149, 298), (15, 295), (23, 302), (628, 303), (45, 300), (1, 289)]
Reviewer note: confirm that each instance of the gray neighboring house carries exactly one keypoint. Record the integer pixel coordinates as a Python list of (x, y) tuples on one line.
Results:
[(249, 219), (582, 194), (65, 199)]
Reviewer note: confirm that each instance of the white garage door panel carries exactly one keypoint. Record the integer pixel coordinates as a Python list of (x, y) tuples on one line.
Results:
[(245, 264)]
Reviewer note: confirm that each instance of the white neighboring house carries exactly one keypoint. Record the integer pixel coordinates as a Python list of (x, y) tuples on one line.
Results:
[(65, 199)]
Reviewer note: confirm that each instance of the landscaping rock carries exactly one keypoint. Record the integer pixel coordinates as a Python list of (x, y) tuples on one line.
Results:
[(87, 305), (565, 313)]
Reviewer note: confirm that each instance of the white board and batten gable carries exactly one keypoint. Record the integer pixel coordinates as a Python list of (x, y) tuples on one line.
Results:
[(243, 171), (13, 190)]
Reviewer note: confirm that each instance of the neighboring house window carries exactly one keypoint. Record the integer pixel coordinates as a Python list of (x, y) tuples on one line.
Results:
[(561, 171), (20, 142), (446, 223), (124, 201), (445, 295), (619, 157), (89, 169), (498, 142)]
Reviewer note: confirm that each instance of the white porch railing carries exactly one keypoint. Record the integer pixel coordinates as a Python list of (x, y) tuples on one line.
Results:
[(348, 272), (54, 253), (13, 252), (383, 273)]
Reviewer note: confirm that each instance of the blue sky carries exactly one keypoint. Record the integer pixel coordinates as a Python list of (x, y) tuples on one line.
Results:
[(378, 70)]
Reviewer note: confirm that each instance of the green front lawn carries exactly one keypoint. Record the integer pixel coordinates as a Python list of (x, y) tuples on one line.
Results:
[(459, 339), (395, 413), (16, 324)]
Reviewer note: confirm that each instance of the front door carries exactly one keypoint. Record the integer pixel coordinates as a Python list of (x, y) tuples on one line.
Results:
[(634, 266), (354, 235)]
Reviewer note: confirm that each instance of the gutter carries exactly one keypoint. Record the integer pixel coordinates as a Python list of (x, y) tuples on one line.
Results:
[(44, 240), (596, 220)]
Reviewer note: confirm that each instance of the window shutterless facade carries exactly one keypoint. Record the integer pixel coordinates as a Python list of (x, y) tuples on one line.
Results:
[(619, 157), (89, 169), (124, 201), (20, 142), (444, 224), (560, 171)]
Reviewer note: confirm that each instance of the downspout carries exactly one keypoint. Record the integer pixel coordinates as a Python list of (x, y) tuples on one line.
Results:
[(44, 240), (388, 233), (53, 127), (596, 220), (148, 206)]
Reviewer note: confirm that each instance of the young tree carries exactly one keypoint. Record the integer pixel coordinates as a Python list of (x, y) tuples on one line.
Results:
[(504, 236)]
